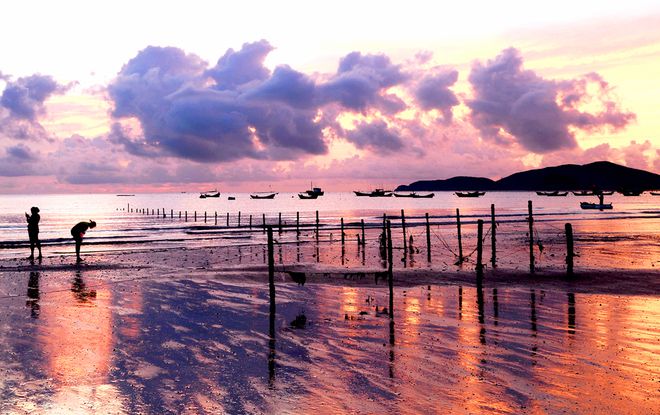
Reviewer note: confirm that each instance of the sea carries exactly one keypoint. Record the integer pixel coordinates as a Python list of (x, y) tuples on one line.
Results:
[(628, 236)]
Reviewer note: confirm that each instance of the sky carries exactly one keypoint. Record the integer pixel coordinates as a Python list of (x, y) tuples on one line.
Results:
[(167, 96)]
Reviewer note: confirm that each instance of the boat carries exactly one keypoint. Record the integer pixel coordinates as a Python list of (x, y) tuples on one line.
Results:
[(470, 194), (631, 192), (210, 193), (599, 206), (607, 193), (263, 196), (655, 193), (231, 198), (374, 193), (583, 193), (125, 195), (314, 191), (554, 193), (415, 195), (308, 195)]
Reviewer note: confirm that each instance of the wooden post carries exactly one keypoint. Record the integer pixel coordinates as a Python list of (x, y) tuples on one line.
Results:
[(364, 241), (297, 223), (480, 233), (171, 213), (195, 216), (428, 239), (216, 217), (531, 237), (279, 221), (129, 207), (493, 226), (317, 225), (342, 233), (460, 241), (239, 218), (390, 264), (152, 212), (204, 216), (186, 216), (263, 217), (179, 214), (164, 214), (227, 219), (403, 227), (157, 212), (271, 270), (250, 221), (569, 249)]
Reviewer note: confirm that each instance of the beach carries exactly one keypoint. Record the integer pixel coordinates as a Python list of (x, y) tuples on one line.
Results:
[(184, 325)]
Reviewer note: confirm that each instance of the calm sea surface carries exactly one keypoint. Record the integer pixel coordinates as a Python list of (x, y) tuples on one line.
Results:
[(630, 232)]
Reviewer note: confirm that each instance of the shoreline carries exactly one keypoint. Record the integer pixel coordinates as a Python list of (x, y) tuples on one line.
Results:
[(210, 263)]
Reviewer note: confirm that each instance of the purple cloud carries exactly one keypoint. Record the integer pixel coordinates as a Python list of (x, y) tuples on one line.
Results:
[(236, 68), (433, 93), (513, 103), (183, 116), (361, 82), (376, 136), (25, 97)]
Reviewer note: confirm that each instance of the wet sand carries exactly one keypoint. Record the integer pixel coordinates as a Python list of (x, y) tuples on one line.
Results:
[(189, 331)]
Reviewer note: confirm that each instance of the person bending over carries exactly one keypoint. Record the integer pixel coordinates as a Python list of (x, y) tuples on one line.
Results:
[(33, 230), (78, 233)]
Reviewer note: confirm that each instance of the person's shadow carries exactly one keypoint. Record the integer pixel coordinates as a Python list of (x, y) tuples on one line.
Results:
[(80, 290), (33, 294)]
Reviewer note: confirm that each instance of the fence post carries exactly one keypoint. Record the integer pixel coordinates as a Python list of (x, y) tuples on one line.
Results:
[(263, 218), (186, 216), (279, 221), (250, 222), (227, 219), (239, 218), (531, 237), (342, 233), (362, 225), (195, 216), (460, 241), (204, 216), (216, 217), (428, 239), (493, 226), (480, 233), (317, 225), (297, 223), (390, 279), (403, 228), (271, 270), (569, 249)]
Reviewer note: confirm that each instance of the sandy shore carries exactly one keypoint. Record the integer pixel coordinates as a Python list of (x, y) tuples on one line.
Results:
[(189, 331)]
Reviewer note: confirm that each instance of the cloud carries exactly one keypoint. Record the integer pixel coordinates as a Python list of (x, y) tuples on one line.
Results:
[(236, 68), (243, 112), (361, 82), (433, 92), (22, 102), (376, 136), (512, 104)]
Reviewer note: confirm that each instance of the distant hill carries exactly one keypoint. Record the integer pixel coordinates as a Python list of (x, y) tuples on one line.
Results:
[(601, 174)]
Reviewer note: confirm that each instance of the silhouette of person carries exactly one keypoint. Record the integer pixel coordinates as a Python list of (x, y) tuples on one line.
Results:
[(33, 230), (78, 233)]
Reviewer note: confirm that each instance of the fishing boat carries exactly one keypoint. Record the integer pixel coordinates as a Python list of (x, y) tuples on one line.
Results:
[(608, 193), (374, 193), (231, 198), (317, 191), (125, 195), (210, 193), (470, 194), (655, 193), (308, 196), (414, 195), (555, 193), (263, 196), (631, 192), (598, 206)]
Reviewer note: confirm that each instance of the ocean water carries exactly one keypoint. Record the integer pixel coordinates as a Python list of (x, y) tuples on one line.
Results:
[(627, 236)]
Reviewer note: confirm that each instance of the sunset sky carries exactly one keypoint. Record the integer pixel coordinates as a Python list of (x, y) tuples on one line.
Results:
[(169, 96)]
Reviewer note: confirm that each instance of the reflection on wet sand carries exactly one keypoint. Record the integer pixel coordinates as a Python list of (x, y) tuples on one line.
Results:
[(33, 294), (187, 345)]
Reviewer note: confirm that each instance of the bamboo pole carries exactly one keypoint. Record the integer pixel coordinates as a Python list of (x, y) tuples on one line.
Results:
[(531, 237), (480, 232), (493, 227), (460, 241), (428, 239), (569, 249)]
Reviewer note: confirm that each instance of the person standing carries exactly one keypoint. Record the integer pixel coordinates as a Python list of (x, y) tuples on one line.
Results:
[(78, 233), (33, 230)]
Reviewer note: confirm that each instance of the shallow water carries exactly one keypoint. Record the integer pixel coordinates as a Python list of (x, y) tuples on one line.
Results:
[(123, 342), (627, 237)]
